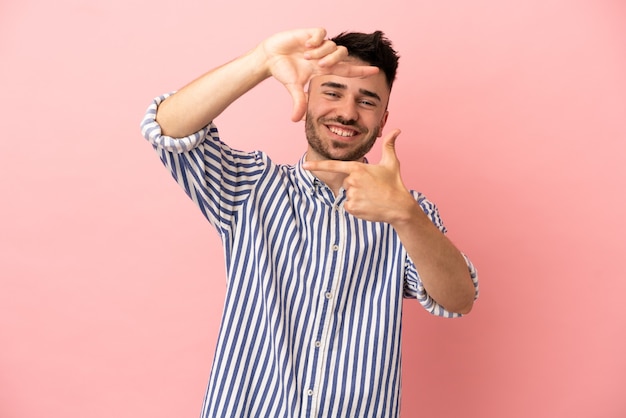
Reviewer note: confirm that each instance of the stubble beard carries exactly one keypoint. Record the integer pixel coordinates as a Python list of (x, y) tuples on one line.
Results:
[(333, 149)]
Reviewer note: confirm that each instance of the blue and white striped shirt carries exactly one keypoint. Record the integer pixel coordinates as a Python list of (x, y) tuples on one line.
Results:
[(312, 319)]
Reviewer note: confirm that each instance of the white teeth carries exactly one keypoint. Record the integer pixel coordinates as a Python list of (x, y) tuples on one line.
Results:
[(341, 132)]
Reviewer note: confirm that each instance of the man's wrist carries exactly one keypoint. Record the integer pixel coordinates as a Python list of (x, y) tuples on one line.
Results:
[(407, 212)]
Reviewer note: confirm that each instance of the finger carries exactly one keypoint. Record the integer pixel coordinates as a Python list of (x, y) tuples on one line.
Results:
[(333, 58), (333, 166), (325, 50), (388, 152), (316, 37), (346, 69), (299, 101)]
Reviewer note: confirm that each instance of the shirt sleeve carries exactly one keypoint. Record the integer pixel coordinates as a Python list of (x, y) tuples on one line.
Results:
[(217, 178), (413, 286)]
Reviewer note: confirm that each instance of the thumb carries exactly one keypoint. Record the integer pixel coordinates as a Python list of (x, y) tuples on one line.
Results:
[(388, 154), (299, 102)]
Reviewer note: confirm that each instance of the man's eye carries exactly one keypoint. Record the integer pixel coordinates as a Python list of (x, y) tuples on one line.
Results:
[(367, 103), (331, 94)]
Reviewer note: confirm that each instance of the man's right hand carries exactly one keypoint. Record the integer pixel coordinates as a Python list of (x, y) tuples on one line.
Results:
[(294, 57)]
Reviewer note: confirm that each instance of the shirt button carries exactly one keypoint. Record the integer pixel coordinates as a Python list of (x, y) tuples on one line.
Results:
[(335, 247), (318, 344), (329, 295), (309, 392)]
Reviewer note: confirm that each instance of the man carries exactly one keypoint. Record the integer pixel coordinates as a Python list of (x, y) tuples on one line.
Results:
[(319, 254)]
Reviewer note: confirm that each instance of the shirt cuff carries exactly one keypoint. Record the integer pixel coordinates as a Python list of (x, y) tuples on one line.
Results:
[(151, 131), (414, 288)]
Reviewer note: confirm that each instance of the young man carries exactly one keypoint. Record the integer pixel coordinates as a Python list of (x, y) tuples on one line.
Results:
[(318, 254)]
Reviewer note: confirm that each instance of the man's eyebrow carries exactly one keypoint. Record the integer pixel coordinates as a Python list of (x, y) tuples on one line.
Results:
[(335, 85), (370, 94)]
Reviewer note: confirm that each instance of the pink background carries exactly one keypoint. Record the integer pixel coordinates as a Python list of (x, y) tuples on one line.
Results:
[(514, 121)]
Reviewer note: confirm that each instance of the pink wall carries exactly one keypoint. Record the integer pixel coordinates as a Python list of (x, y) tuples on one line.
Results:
[(513, 121)]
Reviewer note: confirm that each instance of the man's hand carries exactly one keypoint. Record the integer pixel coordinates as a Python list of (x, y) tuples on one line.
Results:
[(374, 192), (296, 56)]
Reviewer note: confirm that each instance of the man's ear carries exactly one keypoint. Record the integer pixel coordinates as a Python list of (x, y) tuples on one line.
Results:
[(383, 122)]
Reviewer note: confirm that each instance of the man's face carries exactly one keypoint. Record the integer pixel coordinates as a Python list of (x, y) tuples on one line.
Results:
[(345, 116)]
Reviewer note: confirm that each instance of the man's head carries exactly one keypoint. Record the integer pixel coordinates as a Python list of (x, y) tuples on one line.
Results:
[(345, 115), (372, 48)]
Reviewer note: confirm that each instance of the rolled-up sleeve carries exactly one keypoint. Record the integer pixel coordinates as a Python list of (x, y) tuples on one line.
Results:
[(216, 177), (151, 130)]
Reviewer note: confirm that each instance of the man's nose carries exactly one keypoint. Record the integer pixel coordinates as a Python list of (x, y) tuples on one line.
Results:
[(347, 112)]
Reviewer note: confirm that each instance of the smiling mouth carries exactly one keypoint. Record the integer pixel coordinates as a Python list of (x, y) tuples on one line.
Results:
[(342, 132)]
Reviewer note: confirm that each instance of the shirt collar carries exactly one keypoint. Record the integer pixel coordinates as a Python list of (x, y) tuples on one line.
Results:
[(306, 179)]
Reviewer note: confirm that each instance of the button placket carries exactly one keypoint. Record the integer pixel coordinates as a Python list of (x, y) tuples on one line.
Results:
[(321, 345)]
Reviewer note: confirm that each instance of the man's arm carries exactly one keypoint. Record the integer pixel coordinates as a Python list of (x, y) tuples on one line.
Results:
[(442, 269), (376, 192), (293, 58)]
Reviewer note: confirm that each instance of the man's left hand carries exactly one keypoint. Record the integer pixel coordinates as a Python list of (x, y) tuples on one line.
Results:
[(374, 192)]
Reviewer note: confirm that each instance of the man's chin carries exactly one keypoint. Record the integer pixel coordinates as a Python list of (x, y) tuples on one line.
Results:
[(346, 157)]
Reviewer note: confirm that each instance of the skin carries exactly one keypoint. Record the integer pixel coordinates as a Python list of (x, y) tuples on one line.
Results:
[(346, 110), (343, 119)]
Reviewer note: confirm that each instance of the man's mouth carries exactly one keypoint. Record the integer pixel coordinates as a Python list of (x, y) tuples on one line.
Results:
[(343, 132)]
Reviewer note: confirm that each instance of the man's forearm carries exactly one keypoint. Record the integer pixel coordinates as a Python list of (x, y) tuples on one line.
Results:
[(440, 264), (202, 100)]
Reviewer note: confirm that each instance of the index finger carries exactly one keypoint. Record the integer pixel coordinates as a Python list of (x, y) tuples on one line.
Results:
[(332, 166), (345, 69), (334, 62)]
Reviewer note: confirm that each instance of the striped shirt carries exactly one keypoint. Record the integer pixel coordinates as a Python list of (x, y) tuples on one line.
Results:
[(311, 325)]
